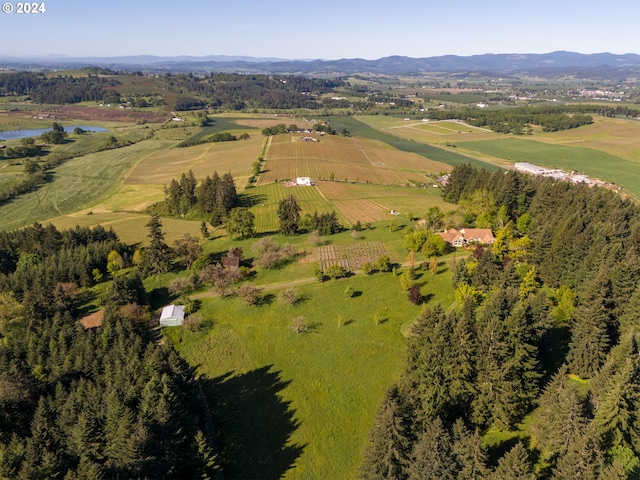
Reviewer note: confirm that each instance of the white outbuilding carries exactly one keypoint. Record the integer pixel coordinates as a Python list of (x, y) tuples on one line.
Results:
[(172, 316)]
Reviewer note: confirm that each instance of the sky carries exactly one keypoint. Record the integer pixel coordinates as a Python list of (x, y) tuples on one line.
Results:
[(327, 29)]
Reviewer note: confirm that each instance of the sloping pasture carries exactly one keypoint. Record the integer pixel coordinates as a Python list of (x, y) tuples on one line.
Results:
[(77, 184), (163, 166)]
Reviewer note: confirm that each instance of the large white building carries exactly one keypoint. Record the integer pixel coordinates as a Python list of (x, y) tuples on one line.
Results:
[(532, 169)]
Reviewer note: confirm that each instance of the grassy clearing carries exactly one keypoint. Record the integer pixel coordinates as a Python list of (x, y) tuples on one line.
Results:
[(303, 403)]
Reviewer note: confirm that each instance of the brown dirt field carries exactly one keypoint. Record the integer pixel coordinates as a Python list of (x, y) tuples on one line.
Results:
[(273, 121), (111, 114)]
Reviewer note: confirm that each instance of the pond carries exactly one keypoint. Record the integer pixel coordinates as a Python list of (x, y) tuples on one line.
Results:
[(36, 132)]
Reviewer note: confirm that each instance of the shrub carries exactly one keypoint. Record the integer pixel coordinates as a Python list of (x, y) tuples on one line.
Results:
[(349, 292), (288, 295), (336, 271), (368, 268), (414, 295)]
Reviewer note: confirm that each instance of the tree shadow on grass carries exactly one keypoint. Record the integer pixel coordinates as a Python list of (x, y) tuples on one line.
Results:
[(254, 424), (251, 199)]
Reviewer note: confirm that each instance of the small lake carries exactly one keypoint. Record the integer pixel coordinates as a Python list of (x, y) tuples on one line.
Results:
[(36, 132)]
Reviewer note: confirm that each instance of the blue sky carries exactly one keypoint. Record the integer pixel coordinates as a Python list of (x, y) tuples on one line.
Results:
[(327, 29)]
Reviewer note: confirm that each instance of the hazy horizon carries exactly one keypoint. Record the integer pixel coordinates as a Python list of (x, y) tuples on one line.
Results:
[(332, 30)]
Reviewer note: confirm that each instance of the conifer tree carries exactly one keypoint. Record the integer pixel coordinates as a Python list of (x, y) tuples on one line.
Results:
[(516, 463), (387, 451), (432, 458), (289, 215), (469, 453)]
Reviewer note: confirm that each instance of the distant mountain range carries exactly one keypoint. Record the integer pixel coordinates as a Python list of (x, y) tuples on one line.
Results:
[(506, 63)]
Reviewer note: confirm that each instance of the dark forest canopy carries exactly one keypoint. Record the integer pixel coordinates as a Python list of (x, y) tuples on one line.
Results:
[(55, 90), (78, 403), (546, 329)]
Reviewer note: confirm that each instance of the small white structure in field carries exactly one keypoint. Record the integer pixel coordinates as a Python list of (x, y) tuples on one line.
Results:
[(172, 316), (303, 181)]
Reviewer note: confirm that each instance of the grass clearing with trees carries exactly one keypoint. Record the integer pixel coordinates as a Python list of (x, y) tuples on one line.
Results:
[(323, 385)]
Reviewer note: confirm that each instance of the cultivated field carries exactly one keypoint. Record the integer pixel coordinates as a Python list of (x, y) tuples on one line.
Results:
[(436, 132), (163, 166), (343, 158), (78, 184), (352, 202)]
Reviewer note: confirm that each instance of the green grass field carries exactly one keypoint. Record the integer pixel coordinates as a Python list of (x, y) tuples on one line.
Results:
[(300, 405)]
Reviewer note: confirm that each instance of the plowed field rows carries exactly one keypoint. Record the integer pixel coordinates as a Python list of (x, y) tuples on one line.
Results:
[(350, 256), (344, 159)]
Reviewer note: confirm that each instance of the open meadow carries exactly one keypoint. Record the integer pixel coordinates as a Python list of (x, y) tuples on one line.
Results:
[(299, 406)]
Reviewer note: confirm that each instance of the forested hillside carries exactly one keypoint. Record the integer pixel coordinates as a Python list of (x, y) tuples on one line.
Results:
[(541, 348), (76, 403)]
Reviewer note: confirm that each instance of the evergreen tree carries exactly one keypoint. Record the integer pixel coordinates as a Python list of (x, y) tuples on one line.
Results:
[(387, 451), (432, 457), (289, 215), (469, 453), (157, 256), (516, 463), (561, 418)]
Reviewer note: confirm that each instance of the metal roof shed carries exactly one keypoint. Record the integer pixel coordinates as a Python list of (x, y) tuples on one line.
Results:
[(172, 316)]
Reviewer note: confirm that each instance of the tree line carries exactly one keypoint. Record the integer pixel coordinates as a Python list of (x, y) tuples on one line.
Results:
[(545, 327), (515, 120), (236, 91)]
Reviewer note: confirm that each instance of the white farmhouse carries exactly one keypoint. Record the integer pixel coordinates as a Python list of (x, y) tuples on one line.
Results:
[(303, 181)]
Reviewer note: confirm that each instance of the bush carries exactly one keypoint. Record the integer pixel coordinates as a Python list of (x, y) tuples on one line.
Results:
[(414, 295), (288, 295), (350, 292), (336, 271), (368, 268)]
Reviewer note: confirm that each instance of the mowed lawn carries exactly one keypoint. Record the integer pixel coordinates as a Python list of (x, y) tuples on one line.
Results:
[(593, 162), (300, 406)]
